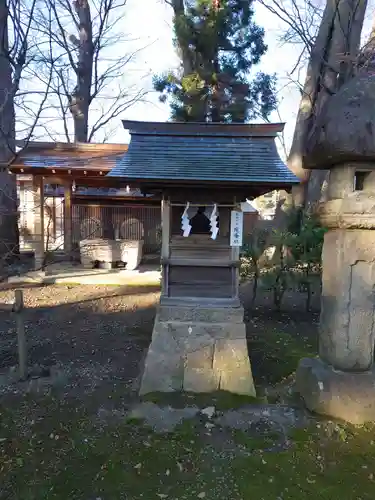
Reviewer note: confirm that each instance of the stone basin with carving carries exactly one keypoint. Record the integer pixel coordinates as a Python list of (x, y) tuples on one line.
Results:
[(101, 250)]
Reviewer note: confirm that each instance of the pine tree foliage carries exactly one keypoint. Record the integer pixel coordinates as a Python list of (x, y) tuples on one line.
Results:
[(222, 44)]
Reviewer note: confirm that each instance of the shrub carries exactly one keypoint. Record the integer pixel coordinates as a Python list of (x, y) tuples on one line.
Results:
[(297, 261)]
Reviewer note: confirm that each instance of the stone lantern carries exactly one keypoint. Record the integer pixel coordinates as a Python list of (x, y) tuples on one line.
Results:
[(341, 382)]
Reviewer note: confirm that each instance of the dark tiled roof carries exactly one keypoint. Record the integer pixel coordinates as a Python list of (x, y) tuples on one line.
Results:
[(227, 154)]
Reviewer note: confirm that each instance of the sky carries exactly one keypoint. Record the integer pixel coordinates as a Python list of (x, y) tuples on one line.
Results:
[(151, 22), (148, 24)]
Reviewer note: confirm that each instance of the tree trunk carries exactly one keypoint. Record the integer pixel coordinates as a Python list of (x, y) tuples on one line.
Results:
[(81, 99), (215, 101), (8, 193), (339, 34), (186, 58)]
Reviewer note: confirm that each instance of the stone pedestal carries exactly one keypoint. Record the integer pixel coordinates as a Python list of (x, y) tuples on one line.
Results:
[(342, 382), (345, 395), (198, 349)]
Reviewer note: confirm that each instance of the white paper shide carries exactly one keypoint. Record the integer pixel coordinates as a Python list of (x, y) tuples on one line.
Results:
[(236, 228), (185, 222), (213, 223)]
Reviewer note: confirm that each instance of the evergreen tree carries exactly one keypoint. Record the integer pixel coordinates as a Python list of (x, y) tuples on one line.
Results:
[(219, 43)]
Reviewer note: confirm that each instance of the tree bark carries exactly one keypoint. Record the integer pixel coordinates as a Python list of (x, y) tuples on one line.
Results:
[(81, 98), (8, 193), (338, 40), (178, 7)]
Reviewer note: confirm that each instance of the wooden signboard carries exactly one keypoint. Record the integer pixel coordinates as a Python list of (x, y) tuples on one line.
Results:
[(236, 228)]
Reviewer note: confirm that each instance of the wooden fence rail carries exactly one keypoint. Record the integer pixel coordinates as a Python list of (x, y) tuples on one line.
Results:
[(17, 307)]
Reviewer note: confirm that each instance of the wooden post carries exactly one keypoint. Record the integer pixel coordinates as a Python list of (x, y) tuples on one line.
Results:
[(38, 209), (21, 338), (17, 308), (235, 257), (68, 218), (165, 239)]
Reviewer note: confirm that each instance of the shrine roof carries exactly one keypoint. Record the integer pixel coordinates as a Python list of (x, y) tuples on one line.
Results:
[(63, 156), (204, 152)]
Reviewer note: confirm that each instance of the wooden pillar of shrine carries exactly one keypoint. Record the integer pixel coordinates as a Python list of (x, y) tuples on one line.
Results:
[(165, 244), (68, 224), (38, 230)]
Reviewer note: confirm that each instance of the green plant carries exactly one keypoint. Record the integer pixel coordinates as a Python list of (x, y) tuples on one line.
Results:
[(279, 275), (306, 247), (252, 251), (297, 257), (296, 261)]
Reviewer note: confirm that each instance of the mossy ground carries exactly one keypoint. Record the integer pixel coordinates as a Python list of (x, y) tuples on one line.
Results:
[(221, 400), (59, 446), (63, 453)]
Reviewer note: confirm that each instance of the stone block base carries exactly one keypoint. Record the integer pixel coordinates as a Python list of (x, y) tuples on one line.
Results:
[(345, 395), (198, 349)]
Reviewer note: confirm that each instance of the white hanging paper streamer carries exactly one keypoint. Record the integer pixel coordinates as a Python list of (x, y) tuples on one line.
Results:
[(213, 223), (185, 222)]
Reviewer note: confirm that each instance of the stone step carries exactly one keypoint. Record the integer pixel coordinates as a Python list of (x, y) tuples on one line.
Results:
[(198, 333), (198, 314)]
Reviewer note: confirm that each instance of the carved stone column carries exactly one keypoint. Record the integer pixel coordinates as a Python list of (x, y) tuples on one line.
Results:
[(341, 382)]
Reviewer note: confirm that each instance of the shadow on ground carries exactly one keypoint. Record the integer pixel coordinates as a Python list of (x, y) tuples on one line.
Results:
[(101, 334), (97, 335)]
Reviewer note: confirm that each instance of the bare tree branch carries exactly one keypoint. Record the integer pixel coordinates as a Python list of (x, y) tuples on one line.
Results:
[(85, 40), (17, 57)]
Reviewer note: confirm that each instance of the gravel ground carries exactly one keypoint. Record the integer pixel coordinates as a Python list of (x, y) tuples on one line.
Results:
[(94, 335)]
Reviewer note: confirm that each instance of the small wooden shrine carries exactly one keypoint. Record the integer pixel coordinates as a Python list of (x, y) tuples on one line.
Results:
[(202, 172), (68, 206)]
